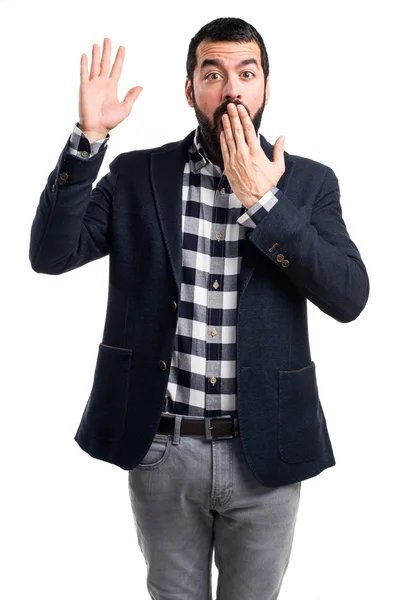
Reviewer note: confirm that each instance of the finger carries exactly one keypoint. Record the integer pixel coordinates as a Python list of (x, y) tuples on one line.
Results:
[(84, 69), (131, 97), (224, 148), (119, 61), (278, 151), (236, 125), (228, 134), (95, 67), (105, 59), (248, 128)]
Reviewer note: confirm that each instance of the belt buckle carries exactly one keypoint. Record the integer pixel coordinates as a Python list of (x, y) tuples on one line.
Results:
[(208, 427)]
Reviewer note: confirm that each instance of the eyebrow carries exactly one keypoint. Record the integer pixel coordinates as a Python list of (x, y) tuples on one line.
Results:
[(215, 62)]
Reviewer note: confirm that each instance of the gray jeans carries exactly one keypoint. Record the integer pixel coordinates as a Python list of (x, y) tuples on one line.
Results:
[(191, 497)]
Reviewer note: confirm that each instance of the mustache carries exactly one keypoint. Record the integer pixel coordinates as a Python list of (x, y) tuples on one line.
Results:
[(224, 109)]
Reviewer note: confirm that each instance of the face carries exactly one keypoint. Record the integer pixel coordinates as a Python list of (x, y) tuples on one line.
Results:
[(215, 84)]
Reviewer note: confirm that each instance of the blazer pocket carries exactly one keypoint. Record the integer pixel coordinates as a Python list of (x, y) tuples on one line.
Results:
[(300, 415), (105, 411)]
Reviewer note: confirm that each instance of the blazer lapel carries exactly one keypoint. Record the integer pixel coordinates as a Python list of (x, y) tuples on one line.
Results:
[(166, 173)]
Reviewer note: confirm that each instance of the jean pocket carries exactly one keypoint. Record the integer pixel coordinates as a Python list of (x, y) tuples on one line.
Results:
[(301, 419), (158, 452)]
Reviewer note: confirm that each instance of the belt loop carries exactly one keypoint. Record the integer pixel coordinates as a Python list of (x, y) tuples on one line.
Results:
[(177, 430)]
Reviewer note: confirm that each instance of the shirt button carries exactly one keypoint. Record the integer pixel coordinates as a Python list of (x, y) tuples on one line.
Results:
[(174, 305), (216, 285), (218, 236), (280, 257), (213, 380), (163, 365), (213, 332), (84, 153), (222, 191), (285, 263)]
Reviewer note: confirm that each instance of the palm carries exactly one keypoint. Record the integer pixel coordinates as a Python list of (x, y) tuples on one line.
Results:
[(99, 107)]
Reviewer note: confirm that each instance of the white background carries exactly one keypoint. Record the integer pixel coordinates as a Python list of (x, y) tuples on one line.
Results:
[(66, 525)]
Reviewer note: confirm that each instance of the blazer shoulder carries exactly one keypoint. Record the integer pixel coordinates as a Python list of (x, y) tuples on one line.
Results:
[(313, 172), (124, 160), (304, 162), (301, 163)]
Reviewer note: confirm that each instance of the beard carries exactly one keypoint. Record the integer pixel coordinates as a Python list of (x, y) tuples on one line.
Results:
[(210, 130)]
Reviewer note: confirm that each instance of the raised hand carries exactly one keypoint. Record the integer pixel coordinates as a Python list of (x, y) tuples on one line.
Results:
[(99, 107)]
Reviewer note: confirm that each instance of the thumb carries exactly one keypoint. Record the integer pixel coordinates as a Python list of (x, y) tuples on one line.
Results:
[(278, 149), (131, 97)]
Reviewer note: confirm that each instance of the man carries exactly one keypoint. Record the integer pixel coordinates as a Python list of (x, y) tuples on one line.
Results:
[(204, 389)]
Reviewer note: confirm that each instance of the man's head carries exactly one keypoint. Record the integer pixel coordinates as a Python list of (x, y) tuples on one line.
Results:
[(215, 77)]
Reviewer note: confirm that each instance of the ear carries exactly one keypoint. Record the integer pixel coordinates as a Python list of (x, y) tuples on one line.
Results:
[(188, 92), (267, 91)]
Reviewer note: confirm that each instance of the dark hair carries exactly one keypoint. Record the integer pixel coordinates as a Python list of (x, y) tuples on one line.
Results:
[(227, 29)]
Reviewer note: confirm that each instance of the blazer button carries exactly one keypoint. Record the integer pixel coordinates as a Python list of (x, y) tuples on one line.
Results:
[(280, 258), (285, 263), (174, 305), (63, 178), (163, 365)]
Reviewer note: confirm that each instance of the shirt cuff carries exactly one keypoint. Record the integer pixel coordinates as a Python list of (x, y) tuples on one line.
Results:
[(79, 144), (257, 212)]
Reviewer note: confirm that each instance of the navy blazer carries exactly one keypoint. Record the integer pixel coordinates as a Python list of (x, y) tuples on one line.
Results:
[(301, 250)]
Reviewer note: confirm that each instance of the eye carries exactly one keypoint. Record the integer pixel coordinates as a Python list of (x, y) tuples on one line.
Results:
[(215, 73), (211, 74)]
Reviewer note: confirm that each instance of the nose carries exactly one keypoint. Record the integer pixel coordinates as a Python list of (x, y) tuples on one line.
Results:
[(231, 90)]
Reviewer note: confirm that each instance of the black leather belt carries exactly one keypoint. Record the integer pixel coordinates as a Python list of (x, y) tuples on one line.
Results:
[(214, 428)]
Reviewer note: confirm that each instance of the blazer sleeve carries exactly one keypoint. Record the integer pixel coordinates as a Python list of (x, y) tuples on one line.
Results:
[(70, 227), (316, 254)]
